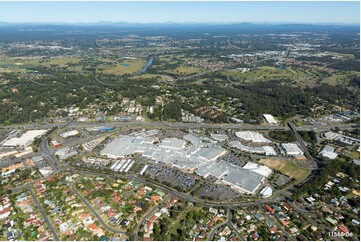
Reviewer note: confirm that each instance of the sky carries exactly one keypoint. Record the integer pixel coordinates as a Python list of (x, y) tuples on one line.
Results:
[(155, 12)]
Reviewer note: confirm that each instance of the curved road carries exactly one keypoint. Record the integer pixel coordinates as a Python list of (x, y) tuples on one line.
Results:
[(186, 197), (92, 209), (139, 225)]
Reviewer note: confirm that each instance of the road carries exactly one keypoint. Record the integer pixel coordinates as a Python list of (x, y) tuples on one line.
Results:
[(139, 225), (41, 209), (312, 162), (230, 224), (215, 229), (174, 192), (92, 209), (227, 222), (47, 154), (154, 124)]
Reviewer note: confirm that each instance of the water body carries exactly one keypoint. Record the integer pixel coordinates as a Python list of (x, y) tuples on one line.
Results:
[(145, 68), (126, 65)]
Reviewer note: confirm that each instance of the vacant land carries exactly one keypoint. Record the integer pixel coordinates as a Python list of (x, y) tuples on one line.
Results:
[(355, 155), (187, 70), (286, 167), (102, 65), (261, 73), (125, 67)]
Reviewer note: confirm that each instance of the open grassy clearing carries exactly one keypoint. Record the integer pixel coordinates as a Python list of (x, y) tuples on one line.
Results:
[(106, 66), (355, 155), (339, 78), (286, 167), (261, 73), (186, 70), (123, 67)]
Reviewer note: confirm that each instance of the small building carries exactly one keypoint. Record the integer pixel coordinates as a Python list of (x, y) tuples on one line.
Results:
[(270, 119), (55, 144), (266, 192), (269, 209), (328, 152), (69, 134)]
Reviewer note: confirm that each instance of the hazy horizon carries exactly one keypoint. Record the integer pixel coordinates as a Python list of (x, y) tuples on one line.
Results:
[(181, 12)]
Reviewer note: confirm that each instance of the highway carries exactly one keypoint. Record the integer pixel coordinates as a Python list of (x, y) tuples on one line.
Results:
[(310, 159), (154, 124), (41, 209), (48, 155)]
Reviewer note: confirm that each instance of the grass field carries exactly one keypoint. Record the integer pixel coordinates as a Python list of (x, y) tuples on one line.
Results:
[(120, 68), (286, 168), (261, 73), (187, 70), (355, 155), (340, 78), (106, 66)]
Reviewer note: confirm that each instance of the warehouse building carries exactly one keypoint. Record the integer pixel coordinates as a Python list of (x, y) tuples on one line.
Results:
[(260, 169), (253, 137), (197, 157), (172, 143), (211, 153), (292, 149), (25, 139), (219, 137), (263, 150)]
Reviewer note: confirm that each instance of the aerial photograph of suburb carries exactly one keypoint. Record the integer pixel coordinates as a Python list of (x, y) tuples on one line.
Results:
[(180, 120)]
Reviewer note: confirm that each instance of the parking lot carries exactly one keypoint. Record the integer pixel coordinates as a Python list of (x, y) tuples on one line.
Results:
[(171, 176), (217, 192), (281, 180)]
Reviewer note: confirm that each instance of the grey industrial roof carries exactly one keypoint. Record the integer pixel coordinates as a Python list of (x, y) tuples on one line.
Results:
[(172, 143), (193, 139), (186, 158), (247, 180), (211, 153)]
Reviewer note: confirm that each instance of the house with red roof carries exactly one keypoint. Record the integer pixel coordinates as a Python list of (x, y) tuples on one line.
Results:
[(343, 228), (270, 209), (5, 213)]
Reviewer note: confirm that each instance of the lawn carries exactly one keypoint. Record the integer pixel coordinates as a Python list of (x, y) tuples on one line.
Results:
[(286, 167)]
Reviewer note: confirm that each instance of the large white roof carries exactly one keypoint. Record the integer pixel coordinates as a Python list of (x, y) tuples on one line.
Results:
[(270, 119), (260, 169), (25, 139), (252, 136)]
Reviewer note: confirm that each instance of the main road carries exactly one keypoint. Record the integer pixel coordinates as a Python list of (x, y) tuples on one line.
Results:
[(174, 192), (164, 124), (41, 209)]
